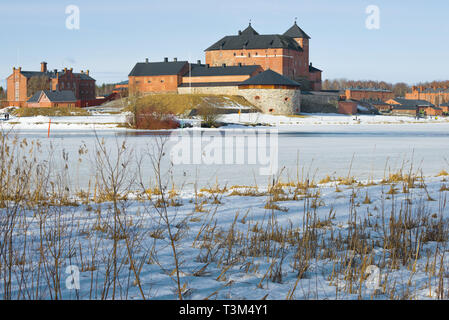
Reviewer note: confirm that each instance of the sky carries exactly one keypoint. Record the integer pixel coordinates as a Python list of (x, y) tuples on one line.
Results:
[(411, 44)]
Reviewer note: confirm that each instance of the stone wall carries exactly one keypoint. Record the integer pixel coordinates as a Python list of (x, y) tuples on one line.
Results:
[(271, 101), (319, 102), (230, 91), (274, 101)]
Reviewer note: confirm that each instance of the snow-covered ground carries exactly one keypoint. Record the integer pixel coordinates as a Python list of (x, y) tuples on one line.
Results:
[(240, 243), (229, 246), (328, 119)]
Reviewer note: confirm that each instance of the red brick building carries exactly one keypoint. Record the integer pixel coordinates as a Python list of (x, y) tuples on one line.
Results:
[(347, 107), (368, 94), (400, 106), (49, 99), (437, 96), (205, 75), (286, 54), (152, 77), (81, 84)]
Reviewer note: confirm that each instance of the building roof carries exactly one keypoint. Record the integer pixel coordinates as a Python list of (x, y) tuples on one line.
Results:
[(205, 71), (378, 102), (413, 103), (54, 96), (249, 31), (255, 41), (296, 32), (208, 84), (269, 77), (53, 74), (312, 69), (157, 68), (122, 83)]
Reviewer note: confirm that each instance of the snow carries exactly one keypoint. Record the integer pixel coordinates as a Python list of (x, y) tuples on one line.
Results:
[(337, 145), (246, 277)]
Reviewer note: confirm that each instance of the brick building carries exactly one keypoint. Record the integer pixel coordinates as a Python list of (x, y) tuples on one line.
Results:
[(287, 54), (400, 106), (368, 94), (205, 75), (151, 77), (81, 84), (436, 96), (49, 98)]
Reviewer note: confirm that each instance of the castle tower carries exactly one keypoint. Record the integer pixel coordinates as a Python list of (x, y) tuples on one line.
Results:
[(302, 39)]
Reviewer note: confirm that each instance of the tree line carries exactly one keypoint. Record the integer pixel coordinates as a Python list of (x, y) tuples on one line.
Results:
[(399, 89)]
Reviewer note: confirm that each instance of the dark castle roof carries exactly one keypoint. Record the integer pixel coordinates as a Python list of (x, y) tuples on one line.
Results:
[(296, 32), (54, 96), (157, 68), (249, 31), (270, 77), (250, 39), (205, 71)]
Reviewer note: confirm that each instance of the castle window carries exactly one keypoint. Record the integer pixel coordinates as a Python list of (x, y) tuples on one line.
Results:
[(286, 99), (149, 81), (162, 81), (249, 55), (257, 98), (271, 110)]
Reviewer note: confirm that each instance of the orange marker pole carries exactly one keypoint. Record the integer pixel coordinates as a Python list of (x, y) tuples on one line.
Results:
[(49, 123)]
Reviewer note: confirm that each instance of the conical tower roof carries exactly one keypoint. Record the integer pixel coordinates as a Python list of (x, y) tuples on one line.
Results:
[(249, 31), (296, 32)]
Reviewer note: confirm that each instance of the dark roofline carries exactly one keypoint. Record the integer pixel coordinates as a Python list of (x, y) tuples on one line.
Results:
[(209, 84), (205, 71), (270, 77), (165, 68)]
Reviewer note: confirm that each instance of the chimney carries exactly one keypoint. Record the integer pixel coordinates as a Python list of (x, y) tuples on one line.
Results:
[(199, 61), (13, 69), (65, 70), (82, 71), (224, 65), (240, 64), (87, 72), (165, 59), (240, 32), (56, 71), (175, 59), (20, 69), (146, 60), (71, 69), (43, 66)]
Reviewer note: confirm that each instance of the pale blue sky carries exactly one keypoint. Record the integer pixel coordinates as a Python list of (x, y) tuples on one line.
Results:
[(411, 45)]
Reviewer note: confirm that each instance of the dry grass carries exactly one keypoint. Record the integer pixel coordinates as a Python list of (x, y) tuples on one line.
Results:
[(181, 103), (50, 112)]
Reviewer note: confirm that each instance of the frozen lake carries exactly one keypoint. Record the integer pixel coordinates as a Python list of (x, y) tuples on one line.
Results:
[(320, 150)]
